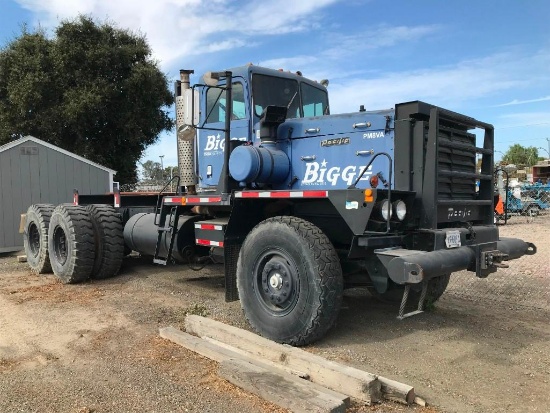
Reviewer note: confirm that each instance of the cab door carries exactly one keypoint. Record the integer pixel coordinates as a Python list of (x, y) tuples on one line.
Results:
[(211, 137)]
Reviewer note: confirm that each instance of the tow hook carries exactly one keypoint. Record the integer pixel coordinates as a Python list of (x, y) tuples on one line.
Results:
[(493, 259)]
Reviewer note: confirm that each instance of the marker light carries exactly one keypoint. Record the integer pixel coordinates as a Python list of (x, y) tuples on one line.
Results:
[(368, 195), (373, 181), (400, 209)]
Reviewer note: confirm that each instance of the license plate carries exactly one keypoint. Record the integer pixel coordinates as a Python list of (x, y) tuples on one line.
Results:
[(452, 239)]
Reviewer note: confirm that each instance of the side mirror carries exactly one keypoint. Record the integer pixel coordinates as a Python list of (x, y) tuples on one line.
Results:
[(191, 108)]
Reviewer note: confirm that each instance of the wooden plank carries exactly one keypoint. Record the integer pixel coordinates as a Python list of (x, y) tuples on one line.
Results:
[(396, 391), (22, 223), (21, 258), (212, 350), (246, 356), (348, 380), (196, 344), (282, 389)]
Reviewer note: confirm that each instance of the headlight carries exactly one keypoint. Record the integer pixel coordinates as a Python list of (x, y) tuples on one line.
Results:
[(400, 209), (385, 208)]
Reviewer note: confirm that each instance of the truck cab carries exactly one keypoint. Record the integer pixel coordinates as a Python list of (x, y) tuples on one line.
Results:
[(253, 89)]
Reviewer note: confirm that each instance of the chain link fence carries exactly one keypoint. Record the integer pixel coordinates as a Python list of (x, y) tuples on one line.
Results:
[(515, 199)]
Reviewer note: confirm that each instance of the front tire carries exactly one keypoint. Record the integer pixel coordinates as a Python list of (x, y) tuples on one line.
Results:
[(71, 243), (35, 237), (289, 280)]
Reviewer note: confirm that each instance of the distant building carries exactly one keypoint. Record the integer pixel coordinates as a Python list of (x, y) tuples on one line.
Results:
[(542, 171), (36, 172)]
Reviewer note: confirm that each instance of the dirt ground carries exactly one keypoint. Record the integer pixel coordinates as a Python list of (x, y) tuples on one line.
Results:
[(95, 347)]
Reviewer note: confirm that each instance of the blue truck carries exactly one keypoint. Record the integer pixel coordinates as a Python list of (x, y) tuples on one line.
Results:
[(298, 203)]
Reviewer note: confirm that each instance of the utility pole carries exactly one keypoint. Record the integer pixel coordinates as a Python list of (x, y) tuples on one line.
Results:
[(161, 169)]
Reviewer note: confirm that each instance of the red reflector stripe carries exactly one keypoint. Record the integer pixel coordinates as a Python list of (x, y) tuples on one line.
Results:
[(209, 243), (249, 194), (281, 194), (315, 194), (285, 194), (203, 200)]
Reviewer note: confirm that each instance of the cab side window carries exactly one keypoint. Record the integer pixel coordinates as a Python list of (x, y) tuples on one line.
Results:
[(216, 104)]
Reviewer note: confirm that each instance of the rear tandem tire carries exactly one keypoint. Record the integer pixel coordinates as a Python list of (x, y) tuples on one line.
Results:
[(108, 240), (289, 280), (35, 237), (71, 243)]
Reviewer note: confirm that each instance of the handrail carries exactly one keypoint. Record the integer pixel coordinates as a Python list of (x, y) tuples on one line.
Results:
[(160, 193), (354, 185)]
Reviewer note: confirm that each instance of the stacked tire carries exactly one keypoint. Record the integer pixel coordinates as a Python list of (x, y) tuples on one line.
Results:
[(108, 240), (75, 242), (71, 243), (35, 237)]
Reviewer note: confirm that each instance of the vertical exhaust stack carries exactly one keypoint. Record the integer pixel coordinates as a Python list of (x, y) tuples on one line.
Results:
[(185, 136)]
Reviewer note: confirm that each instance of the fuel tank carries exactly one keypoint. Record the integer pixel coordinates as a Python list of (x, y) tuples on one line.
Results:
[(141, 233)]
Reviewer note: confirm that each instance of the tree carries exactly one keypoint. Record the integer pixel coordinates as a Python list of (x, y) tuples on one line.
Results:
[(520, 155), (152, 172), (92, 89)]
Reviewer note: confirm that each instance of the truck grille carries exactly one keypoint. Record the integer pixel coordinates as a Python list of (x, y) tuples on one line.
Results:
[(456, 162), (435, 156)]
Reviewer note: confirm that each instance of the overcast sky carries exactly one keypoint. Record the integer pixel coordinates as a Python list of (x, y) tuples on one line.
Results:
[(486, 59)]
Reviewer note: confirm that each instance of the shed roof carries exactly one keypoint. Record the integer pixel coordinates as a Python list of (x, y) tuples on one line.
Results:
[(55, 148)]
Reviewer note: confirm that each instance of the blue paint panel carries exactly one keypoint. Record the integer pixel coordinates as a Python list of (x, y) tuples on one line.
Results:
[(335, 155), (210, 147)]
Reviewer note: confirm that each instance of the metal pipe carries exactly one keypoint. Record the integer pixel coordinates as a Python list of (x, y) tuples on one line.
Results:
[(420, 266), (185, 136), (228, 115), (515, 248)]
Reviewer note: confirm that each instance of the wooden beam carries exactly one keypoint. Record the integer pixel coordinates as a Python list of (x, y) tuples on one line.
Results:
[(278, 367), (280, 388), (344, 379), (396, 391), (212, 350)]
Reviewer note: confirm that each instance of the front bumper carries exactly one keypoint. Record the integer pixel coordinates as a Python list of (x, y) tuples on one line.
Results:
[(478, 253)]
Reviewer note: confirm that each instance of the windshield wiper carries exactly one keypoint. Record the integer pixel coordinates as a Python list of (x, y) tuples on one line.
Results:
[(291, 100)]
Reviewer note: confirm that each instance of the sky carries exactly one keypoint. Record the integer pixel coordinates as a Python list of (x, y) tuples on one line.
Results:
[(486, 59)]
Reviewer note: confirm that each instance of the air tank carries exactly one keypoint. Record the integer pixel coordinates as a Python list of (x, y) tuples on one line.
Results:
[(141, 233), (262, 164)]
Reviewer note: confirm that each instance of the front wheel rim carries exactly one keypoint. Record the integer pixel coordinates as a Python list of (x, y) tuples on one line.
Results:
[(276, 282)]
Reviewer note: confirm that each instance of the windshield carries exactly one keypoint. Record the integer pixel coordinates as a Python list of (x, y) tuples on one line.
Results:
[(315, 101), (275, 91)]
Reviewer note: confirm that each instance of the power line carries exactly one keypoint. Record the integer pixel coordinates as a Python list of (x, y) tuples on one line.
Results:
[(521, 126), (518, 140)]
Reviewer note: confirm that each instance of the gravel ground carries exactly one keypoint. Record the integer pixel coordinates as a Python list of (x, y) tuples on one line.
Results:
[(95, 347)]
